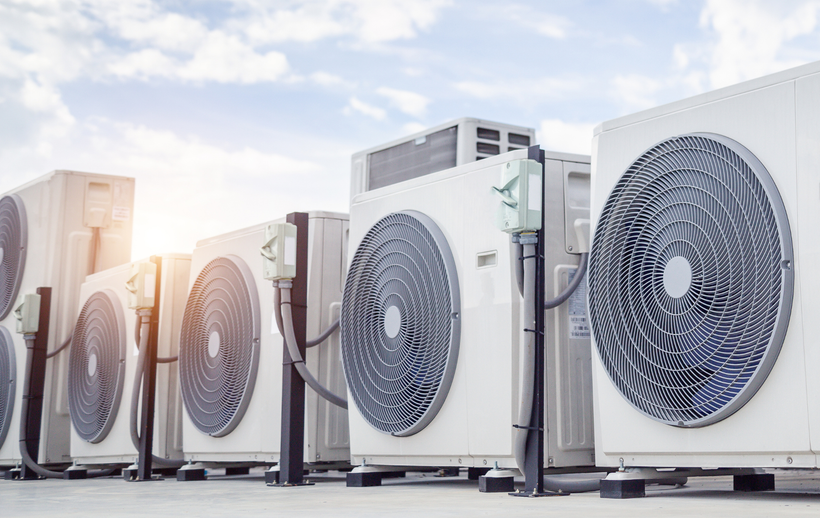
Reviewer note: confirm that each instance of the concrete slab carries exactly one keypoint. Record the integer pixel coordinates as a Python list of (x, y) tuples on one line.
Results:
[(798, 494)]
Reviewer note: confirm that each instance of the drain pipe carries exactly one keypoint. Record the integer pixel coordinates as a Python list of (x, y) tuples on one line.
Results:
[(144, 319), (285, 320), (31, 463)]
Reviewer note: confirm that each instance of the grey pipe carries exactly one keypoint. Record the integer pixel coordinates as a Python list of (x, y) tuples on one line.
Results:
[(142, 340), (29, 462), (293, 350), (576, 281), (324, 336), (528, 353), (519, 267)]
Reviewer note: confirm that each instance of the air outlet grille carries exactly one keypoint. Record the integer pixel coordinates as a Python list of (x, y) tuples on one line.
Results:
[(8, 381), (400, 323), (97, 366), (219, 345), (13, 237), (691, 279)]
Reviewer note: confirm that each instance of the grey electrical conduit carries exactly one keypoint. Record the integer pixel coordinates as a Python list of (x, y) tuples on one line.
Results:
[(32, 465), (285, 321), (142, 341), (525, 409)]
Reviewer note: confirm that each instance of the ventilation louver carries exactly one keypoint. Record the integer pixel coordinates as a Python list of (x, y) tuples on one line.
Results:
[(8, 380), (219, 345), (97, 366), (691, 280), (13, 236), (400, 323)]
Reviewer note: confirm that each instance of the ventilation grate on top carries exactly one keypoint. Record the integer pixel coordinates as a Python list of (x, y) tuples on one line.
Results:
[(219, 345), (96, 366), (691, 280), (13, 237), (8, 380), (400, 323)]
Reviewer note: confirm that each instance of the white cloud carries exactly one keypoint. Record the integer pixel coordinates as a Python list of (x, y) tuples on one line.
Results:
[(367, 109), (550, 25), (327, 79), (567, 137), (522, 90), (413, 127), (635, 92), (405, 101), (751, 38), (370, 21), (226, 59)]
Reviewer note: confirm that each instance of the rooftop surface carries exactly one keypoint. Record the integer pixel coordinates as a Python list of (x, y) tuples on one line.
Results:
[(797, 494)]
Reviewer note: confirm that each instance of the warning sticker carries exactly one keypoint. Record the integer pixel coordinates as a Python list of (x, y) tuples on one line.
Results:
[(121, 214), (578, 324)]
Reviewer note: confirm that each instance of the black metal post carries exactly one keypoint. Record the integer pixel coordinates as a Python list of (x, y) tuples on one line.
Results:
[(534, 462), (291, 462), (149, 384), (37, 383)]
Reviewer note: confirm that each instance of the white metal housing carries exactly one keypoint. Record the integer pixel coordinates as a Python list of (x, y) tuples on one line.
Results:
[(441, 147), (777, 118), (474, 426), (62, 210), (116, 446), (256, 439)]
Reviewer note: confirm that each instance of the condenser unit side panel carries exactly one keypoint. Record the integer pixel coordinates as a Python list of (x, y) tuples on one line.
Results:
[(329, 439), (807, 91), (569, 434), (168, 428), (770, 135)]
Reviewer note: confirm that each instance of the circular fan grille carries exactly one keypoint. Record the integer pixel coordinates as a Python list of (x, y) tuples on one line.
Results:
[(8, 373), (691, 280), (96, 366), (400, 323), (219, 345), (13, 237)]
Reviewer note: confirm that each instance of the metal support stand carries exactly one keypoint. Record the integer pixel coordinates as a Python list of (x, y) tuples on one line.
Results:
[(534, 461), (149, 387), (292, 458), (753, 483), (37, 383)]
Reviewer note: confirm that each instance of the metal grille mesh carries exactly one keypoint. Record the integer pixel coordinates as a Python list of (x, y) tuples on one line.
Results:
[(219, 345), (8, 380), (13, 238), (400, 323), (690, 279), (96, 366)]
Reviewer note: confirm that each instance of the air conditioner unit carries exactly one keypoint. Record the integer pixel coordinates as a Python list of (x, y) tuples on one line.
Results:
[(54, 231), (438, 148), (103, 363), (230, 353), (432, 321), (703, 266)]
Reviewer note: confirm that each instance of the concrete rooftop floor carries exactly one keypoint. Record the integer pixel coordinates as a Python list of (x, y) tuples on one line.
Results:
[(797, 494)]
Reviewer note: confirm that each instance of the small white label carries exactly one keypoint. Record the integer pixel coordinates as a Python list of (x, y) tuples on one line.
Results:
[(290, 251), (578, 324), (121, 214)]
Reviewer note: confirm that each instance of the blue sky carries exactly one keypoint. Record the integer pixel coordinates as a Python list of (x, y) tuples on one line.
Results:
[(234, 112)]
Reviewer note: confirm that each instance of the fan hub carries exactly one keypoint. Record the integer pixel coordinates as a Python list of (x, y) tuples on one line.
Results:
[(92, 365), (392, 321), (677, 277), (213, 344)]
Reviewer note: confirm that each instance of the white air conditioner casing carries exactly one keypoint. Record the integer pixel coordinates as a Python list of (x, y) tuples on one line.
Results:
[(60, 210), (474, 425), (441, 147), (114, 445), (777, 119), (256, 437)]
